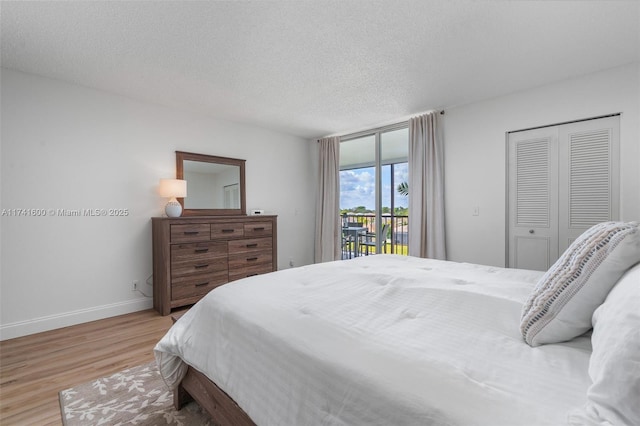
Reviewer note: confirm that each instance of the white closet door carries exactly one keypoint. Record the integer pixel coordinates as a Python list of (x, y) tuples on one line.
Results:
[(561, 181), (533, 194), (589, 183)]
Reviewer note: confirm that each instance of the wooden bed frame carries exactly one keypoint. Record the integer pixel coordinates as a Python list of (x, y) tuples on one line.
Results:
[(220, 406)]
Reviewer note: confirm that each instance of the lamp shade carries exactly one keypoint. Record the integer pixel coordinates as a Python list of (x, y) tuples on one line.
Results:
[(173, 188)]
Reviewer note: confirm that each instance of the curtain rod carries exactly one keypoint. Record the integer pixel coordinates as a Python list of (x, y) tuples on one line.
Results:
[(567, 122), (375, 129)]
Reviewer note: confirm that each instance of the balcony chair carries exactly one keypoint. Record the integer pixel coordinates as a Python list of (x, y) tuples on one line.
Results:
[(349, 240), (370, 240)]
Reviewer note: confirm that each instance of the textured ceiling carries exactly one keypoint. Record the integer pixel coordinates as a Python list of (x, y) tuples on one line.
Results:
[(313, 68)]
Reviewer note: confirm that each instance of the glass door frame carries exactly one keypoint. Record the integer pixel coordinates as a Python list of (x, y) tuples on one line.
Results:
[(377, 133)]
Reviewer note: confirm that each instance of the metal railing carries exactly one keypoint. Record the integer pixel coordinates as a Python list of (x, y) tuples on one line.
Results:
[(397, 239)]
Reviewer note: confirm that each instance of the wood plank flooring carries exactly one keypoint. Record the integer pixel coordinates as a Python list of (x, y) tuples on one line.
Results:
[(33, 369)]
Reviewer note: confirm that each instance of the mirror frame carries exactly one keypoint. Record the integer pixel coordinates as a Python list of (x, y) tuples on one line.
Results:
[(181, 156)]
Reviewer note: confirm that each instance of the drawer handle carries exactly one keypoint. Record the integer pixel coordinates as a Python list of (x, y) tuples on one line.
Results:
[(201, 266), (259, 229), (228, 231), (202, 250), (202, 284), (191, 232), (252, 275), (252, 245), (251, 259)]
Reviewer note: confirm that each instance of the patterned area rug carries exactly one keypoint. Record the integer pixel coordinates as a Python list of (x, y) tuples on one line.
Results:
[(136, 396)]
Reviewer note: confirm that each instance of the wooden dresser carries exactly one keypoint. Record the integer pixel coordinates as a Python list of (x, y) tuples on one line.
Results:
[(193, 255)]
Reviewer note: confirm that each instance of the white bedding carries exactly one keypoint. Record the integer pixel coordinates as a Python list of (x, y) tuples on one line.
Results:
[(379, 340)]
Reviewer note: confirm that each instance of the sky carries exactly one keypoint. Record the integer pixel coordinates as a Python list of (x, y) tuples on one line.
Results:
[(357, 187)]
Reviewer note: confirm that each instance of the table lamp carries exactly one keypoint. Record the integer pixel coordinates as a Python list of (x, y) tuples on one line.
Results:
[(173, 188)]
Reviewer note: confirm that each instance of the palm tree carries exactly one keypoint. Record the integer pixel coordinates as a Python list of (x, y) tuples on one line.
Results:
[(403, 189)]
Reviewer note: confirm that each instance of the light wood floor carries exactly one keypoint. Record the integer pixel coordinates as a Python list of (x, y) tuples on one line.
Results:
[(33, 369)]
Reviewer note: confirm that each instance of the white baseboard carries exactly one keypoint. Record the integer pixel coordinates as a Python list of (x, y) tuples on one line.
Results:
[(51, 322)]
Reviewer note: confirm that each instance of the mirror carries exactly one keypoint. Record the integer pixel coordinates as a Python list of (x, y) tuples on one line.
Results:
[(215, 185)]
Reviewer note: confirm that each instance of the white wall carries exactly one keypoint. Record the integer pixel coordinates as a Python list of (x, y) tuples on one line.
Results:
[(475, 151), (68, 147)]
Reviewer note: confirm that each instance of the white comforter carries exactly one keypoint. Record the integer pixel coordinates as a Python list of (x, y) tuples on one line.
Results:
[(379, 340)]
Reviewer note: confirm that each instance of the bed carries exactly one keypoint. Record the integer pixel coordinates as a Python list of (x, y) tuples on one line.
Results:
[(397, 340)]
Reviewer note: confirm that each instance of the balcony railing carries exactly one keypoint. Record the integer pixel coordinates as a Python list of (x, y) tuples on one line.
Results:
[(397, 239)]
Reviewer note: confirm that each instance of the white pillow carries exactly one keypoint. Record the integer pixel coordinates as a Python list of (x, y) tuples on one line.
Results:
[(614, 396), (563, 301)]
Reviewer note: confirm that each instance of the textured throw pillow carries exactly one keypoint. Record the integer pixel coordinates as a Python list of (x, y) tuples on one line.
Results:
[(563, 301), (614, 395)]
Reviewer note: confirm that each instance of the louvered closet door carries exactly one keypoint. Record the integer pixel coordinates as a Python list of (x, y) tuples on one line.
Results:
[(533, 194), (561, 181), (589, 184)]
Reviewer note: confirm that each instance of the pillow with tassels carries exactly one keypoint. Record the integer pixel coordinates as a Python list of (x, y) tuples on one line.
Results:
[(563, 301)]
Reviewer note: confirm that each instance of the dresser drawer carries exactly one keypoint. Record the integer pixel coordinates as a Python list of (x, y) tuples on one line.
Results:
[(258, 229), (236, 274), (196, 286), (190, 233), (250, 259), (189, 267), (227, 230), (250, 245), (198, 251)]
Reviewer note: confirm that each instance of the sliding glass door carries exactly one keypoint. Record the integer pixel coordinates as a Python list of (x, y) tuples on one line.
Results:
[(373, 182)]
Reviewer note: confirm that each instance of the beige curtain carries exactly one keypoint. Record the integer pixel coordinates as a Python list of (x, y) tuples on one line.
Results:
[(426, 187), (327, 238)]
